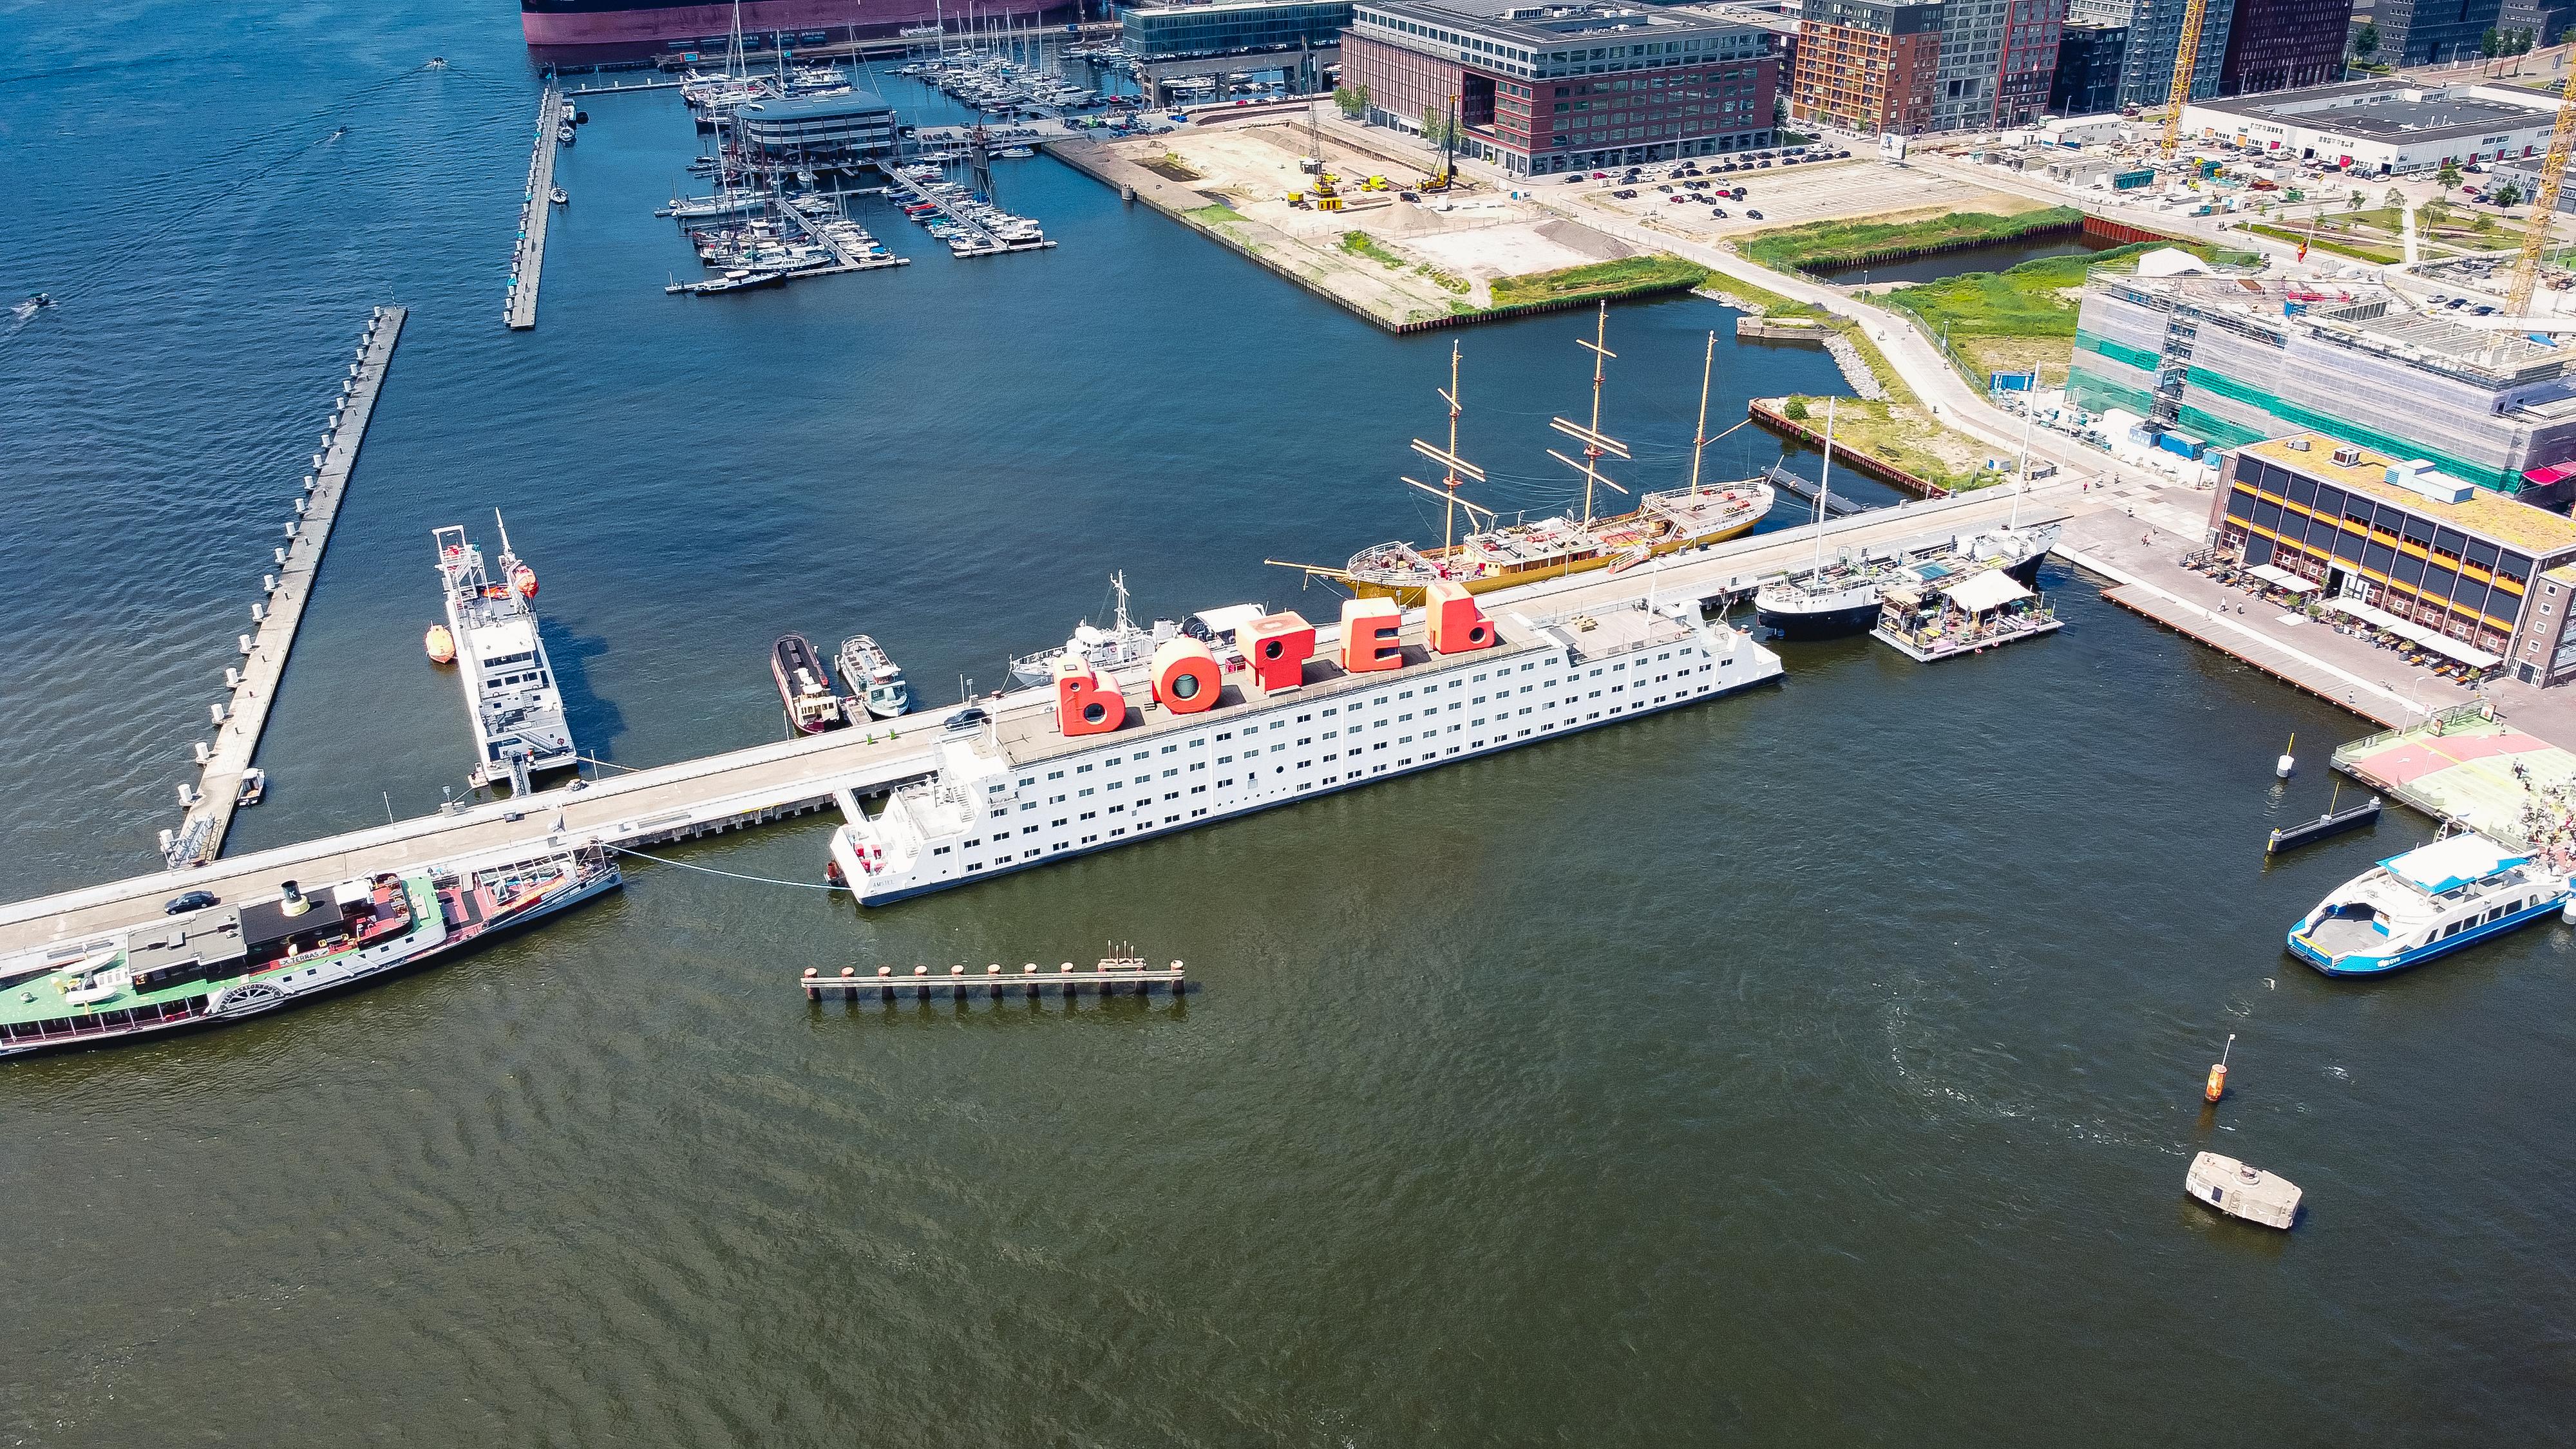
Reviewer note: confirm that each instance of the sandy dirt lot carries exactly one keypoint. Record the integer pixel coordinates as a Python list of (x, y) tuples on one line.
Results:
[(1419, 258), (1788, 196)]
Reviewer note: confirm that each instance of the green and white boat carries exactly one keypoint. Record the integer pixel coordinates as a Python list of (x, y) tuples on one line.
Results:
[(227, 962)]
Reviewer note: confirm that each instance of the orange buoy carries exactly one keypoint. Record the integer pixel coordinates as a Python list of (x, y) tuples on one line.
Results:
[(524, 579), (440, 644), (2217, 1087)]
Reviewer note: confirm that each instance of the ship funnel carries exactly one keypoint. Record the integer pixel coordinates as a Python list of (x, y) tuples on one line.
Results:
[(291, 902)]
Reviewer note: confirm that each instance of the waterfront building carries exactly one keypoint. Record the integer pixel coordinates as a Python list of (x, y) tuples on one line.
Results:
[(2278, 45), (2383, 127), (858, 124), (2087, 82), (1868, 65), (1998, 58), (2440, 557), (1557, 88), (1299, 39), (2230, 357), (2419, 32), (1242, 27), (2154, 38)]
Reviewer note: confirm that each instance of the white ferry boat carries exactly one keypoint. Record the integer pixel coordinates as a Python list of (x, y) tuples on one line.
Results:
[(511, 694), (1092, 763), (2433, 899)]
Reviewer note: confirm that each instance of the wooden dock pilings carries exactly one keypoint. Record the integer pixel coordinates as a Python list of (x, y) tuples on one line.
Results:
[(253, 683), (1030, 980)]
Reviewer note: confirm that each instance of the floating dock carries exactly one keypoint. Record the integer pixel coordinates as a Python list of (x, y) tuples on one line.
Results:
[(2333, 822), (1836, 505), (519, 306), (781, 780), (904, 192), (239, 721), (1030, 980)]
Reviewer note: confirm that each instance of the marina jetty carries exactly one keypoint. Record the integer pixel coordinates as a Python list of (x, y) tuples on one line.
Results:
[(528, 257), (781, 780), (225, 779)]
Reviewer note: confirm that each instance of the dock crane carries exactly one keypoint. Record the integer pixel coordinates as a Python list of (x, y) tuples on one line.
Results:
[(2186, 60), (2544, 207)]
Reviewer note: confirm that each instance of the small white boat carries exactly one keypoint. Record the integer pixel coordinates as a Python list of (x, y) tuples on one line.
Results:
[(2243, 1192), (556, 195)]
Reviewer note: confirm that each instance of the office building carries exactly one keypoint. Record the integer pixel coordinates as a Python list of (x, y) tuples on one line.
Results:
[(2419, 32), (1868, 65), (1997, 59), (2457, 569), (2087, 82), (2279, 45), (1543, 89), (2154, 39), (1243, 27)]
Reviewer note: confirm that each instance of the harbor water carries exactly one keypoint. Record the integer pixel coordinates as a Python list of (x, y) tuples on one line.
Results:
[(1818, 1066)]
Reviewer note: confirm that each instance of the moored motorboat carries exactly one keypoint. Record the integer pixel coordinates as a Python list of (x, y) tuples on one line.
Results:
[(875, 680), (804, 686), (2424, 903)]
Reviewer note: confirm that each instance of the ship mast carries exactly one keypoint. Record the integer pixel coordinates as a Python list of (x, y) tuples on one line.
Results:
[(507, 558), (1454, 469), (1699, 434), (1596, 444)]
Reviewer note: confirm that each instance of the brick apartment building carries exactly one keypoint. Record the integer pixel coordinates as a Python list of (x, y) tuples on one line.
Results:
[(1548, 88), (1870, 65)]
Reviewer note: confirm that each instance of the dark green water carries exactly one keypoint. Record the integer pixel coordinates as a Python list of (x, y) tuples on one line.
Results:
[(1995, 257), (1815, 1067)]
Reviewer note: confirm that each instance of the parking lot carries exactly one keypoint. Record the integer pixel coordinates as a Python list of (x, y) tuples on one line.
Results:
[(1782, 194)]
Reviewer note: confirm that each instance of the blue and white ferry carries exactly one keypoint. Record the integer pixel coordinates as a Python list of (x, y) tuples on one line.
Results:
[(2433, 899)]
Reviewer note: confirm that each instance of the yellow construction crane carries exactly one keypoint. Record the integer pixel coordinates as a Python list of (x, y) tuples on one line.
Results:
[(2535, 239), (2186, 60)]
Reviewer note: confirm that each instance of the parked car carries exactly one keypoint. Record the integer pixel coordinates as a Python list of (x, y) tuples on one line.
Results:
[(181, 905), (1718, 211), (1751, 215)]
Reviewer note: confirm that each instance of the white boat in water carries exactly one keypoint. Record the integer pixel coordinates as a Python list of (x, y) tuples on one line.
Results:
[(2424, 903), (1123, 645), (873, 676), (511, 693)]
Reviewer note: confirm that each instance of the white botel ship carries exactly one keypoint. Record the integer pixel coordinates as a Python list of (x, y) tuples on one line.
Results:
[(511, 693), (1094, 762)]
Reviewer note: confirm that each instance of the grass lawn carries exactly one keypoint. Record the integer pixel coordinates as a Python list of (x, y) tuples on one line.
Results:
[(2343, 247), (2019, 318), (1629, 274), (1361, 244), (1905, 436), (1829, 244)]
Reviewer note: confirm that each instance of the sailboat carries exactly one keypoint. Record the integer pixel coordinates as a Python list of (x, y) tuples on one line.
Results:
[(1496, 554)]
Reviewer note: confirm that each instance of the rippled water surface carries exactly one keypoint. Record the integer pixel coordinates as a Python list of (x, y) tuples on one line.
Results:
[(1818, 1066)]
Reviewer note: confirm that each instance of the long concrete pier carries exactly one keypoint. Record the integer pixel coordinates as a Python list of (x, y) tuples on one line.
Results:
[(528, 263), (774, 781), (200, 835)]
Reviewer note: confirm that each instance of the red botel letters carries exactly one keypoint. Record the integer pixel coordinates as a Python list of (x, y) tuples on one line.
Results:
[(1456, 624), (1185, 676), (1277, 646), (1369, 628), (1087, 701)]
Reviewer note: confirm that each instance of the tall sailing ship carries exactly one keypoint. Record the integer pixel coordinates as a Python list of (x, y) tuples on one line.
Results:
[(1495, 554)]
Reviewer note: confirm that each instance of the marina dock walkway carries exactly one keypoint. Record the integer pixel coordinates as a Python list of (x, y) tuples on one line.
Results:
[(201, 835), (794, 777), (519, 309)]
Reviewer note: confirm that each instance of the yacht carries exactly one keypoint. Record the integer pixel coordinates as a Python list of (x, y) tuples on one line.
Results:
[(2433, 899), (874, 678)]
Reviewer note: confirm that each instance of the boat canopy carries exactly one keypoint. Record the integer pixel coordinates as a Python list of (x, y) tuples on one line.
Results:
[(1986, 592), (2449, 864)]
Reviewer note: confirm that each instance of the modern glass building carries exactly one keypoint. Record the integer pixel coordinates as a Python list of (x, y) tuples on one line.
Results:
[(2395, 535), (857, 124), (1241, 27)]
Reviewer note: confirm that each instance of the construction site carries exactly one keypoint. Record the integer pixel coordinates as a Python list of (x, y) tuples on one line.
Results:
[(1376, 226)]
